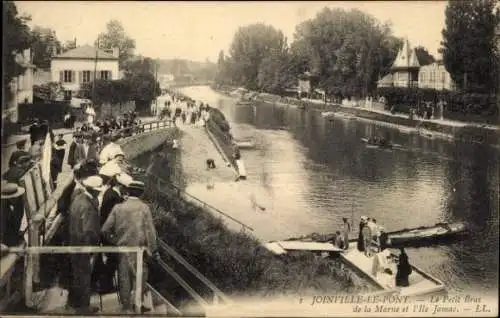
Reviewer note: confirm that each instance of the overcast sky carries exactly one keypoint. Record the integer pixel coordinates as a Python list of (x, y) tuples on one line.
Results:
[(199, 30)]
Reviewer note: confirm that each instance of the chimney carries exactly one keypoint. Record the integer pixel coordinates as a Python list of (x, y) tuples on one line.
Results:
[(116, 52)]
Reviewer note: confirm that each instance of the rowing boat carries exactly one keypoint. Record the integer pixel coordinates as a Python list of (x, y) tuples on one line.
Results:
[(370, 144), (247, 143), (426, 234), (243, 103)]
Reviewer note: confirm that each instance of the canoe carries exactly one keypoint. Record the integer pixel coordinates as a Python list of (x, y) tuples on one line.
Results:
[(377, 146), (415, 237), (327, 114), (426, 234), (243, 103), (245, 143), (281, 247)]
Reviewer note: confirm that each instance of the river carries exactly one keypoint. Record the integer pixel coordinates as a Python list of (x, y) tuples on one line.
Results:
[(316, 171)]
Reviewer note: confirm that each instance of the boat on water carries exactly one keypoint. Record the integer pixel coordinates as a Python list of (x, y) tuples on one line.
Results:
[(327, 114), (244, 103), (415, 237), (370, 143), (247, 143)]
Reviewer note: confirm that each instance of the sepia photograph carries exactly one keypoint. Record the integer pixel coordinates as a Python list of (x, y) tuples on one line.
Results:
[(250, 158)]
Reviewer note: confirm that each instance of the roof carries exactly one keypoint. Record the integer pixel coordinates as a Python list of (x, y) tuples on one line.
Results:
[(85, 52), (407, 58)]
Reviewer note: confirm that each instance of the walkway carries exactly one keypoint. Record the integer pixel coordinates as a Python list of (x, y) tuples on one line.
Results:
[(241, 200)]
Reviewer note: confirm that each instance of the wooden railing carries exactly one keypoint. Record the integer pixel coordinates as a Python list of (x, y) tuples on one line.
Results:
[(36, 250), (41, 208)]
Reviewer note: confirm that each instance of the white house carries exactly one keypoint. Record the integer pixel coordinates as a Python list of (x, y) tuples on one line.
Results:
[(435, 76), (76, 67), (21, 86)]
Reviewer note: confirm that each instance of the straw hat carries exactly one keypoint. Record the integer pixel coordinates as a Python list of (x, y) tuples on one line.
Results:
[(364, 218), (94, 182), (136, 185), (11, 190), (125, 179), (110, 169), (60, 144)]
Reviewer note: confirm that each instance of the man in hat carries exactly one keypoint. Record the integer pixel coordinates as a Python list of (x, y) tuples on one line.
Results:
[(59, 152), (84, 230), (110, 149), (15, 173), (19, 152), (34, 130), (12, 212), (105, 268), (77, 140), (130, 223)]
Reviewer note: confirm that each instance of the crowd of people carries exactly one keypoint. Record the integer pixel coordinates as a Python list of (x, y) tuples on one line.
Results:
[(182, 109), (101, 206)]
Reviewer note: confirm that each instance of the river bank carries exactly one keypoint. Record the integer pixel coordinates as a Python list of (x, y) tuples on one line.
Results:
[(443, 129)]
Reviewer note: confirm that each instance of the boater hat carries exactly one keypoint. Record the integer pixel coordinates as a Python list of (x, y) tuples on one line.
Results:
[(110, 170), (124, 179), (11, 190), (94, 182)]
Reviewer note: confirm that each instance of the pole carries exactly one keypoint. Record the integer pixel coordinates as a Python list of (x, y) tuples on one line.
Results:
[(95, 72)]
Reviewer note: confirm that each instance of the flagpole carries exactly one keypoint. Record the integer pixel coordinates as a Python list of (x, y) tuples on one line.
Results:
[(95, 72)]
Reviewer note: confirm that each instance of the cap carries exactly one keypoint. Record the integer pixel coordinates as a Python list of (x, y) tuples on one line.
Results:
[(93, 182), (124, 179), (110, 169), (364, 218)]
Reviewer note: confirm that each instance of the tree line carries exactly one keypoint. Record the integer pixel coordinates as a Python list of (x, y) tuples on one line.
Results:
[(347, 52)]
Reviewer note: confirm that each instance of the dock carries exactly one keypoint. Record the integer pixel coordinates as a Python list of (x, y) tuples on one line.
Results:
[(421, 283)]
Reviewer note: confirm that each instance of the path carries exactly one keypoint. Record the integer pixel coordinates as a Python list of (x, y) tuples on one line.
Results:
[(239, 199)]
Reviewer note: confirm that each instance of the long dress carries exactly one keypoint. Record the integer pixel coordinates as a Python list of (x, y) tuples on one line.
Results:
[(361, 245), (346, 228), (404, 270)]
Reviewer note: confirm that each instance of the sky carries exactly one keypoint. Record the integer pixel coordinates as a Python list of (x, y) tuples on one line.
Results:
[(199, 30)]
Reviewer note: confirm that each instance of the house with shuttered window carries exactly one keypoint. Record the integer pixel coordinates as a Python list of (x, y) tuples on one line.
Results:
[(76, 67)]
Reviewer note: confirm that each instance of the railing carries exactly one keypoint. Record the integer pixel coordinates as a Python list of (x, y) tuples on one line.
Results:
[(30, 251), (160, 183), (41, 206)]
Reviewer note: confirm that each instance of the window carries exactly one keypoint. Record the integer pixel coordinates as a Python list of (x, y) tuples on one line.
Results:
[(422, 77), (443, 77), (86, 78), (68, 77), (67, 95), (105, 75), (433, 76)]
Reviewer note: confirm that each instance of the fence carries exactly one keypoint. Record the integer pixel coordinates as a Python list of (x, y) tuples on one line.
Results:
[(36, 250), (41, 210)]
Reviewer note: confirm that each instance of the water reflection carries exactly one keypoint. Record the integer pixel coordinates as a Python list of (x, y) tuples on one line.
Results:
[(319, 171)]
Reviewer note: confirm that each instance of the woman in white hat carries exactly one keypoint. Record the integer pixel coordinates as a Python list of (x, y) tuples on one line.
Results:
[(84, 230), (11, 213)]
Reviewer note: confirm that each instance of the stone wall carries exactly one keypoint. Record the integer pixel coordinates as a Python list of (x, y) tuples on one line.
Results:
[(138, 144)]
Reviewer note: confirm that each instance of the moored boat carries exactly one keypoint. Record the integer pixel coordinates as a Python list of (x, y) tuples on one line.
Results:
[(247, 143), (243, 103), (370, 143)]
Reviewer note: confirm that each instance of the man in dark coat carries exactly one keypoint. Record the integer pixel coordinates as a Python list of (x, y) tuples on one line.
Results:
[(84, 230), (19, 152), (57, 157), (81, 172), (105, 268), (34, 131), (72, 148)]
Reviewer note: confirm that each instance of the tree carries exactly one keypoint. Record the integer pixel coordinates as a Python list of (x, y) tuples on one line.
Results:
[(16, 39), (115, 37), (250, 46), (44, 46), (468, 45), (347, 50), (69, 45), (423, 56)]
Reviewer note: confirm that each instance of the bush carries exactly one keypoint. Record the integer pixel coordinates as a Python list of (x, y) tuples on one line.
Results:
[(53, 112), (219, 119), (402, 99)]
